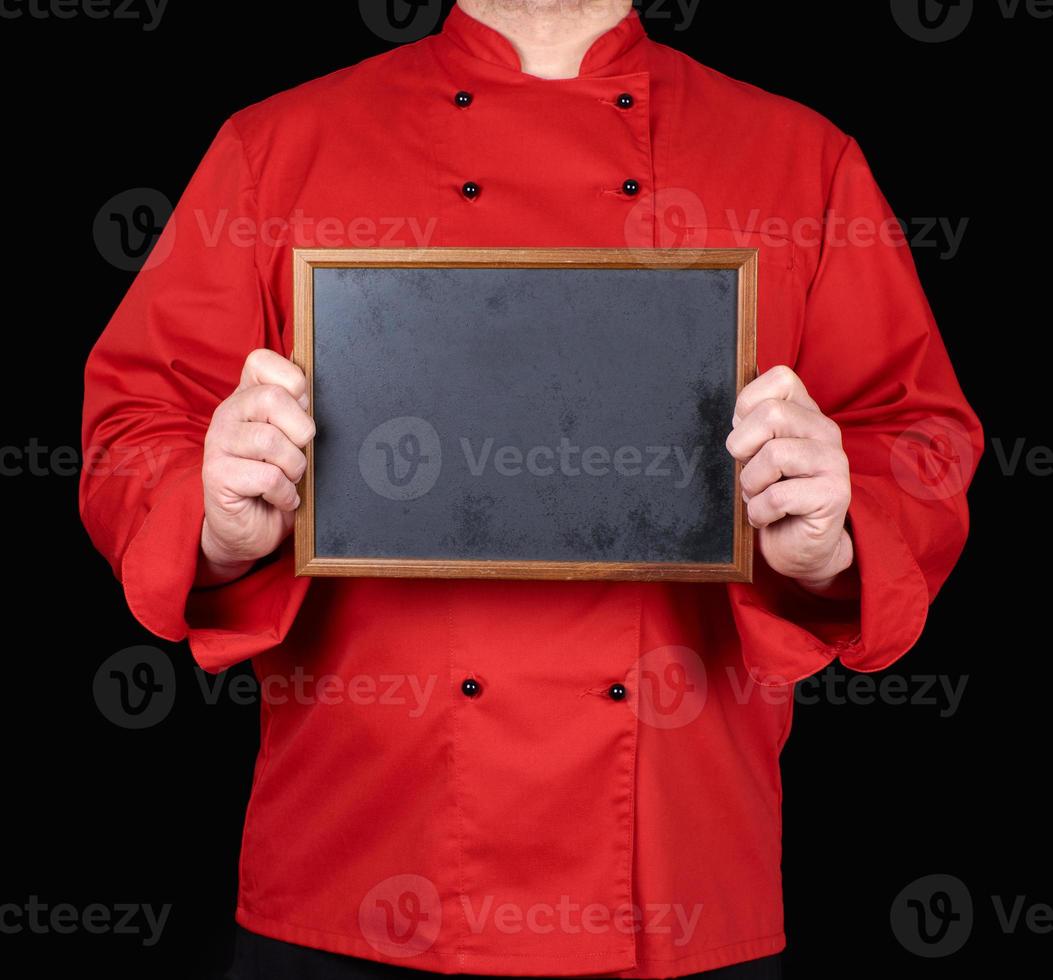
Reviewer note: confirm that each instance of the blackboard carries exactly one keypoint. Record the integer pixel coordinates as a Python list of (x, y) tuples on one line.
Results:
[(524, 413)]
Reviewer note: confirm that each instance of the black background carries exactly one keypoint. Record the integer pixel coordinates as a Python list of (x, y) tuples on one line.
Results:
[(876, 795)]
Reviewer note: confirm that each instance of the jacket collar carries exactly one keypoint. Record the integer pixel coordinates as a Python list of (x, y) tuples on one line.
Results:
[(616, 52)]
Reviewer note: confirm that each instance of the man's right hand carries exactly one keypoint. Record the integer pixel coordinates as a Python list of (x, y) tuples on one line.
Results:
[(252, 462)]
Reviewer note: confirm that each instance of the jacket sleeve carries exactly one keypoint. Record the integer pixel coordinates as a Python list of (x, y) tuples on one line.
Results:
[(872, 358), (171, 353)]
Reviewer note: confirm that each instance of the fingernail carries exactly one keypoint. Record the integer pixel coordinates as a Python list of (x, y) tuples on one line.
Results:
[(303, 400), (297, 504)]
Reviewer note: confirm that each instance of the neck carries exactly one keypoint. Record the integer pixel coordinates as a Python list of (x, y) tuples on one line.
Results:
[(551, 37)]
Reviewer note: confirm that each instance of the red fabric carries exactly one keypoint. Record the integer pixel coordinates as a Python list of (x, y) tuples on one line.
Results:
[(480, 825)]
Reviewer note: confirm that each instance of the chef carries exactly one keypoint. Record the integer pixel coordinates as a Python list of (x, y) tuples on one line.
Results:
[(592, 786)]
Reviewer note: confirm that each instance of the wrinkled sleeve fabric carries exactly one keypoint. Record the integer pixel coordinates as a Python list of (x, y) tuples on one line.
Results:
[(872, 357), (171, 353)]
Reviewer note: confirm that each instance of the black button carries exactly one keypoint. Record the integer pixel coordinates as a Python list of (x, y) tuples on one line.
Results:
[(470, 190), (631, 187), (463, 99), (617, 692), (470, 687), (625, 101)]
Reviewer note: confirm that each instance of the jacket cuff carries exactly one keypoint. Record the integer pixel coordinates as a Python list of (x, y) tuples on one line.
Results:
[(787, 633), (225, 624)]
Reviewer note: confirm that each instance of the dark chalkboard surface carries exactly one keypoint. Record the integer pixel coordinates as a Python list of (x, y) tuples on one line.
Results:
[(524, 414)]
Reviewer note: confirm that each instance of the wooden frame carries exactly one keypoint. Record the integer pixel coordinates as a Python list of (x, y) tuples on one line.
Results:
[(744, 261)]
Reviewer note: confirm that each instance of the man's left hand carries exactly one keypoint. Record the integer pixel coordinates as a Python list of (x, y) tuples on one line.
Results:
[(795, 479)]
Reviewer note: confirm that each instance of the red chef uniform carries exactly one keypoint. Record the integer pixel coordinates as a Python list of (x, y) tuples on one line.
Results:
[(541, 826)]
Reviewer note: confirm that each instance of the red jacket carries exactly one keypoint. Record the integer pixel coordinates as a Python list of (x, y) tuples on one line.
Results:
[(541, 827)]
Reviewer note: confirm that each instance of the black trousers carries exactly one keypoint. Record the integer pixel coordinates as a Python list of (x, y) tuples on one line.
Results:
[(259, 958)]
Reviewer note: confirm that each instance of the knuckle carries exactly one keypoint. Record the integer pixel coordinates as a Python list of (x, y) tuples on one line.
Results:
[(265, 441), (288, 493), (307, 432), (220, 413), (776, 453), (274, 478), (754, 510), (773, 410), (749, 480), (831, 429), (257, 358), (270, 397)]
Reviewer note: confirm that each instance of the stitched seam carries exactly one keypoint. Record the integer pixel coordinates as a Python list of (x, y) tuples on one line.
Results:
[(454, 758)]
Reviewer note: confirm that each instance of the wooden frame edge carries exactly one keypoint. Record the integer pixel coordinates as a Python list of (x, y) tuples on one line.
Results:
[(303, 358), (747, 370), (306, 260)]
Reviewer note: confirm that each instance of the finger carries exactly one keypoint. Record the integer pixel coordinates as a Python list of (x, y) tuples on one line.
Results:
[(272, 404), (777, 419), (810, 496), (250, 478), (268, 367), (780, 383), (781, 458), (266, 443)]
